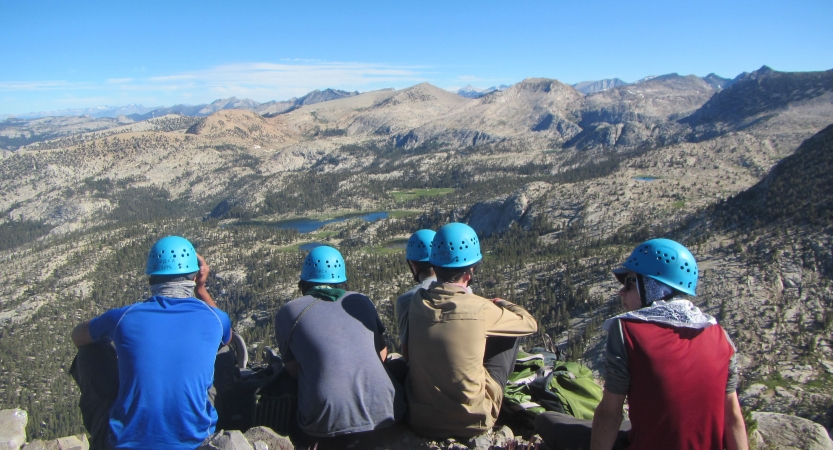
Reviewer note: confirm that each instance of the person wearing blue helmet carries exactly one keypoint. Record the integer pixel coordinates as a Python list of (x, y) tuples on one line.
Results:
[(462, 347), (417, 254), (332, 340), (153, 391), (674, 363)]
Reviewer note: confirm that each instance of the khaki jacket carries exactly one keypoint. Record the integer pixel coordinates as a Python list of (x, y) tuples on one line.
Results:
[(449, 391)]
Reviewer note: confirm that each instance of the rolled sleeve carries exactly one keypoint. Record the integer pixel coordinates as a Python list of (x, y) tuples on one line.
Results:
[(617, 377), (732, 381), (508, 319)]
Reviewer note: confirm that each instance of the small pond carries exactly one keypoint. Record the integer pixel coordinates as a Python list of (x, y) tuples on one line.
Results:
[(399, 244), (645, 179)]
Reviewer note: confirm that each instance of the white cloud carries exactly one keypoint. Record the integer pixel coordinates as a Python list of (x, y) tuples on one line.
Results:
[(42, 85), (261, 81)]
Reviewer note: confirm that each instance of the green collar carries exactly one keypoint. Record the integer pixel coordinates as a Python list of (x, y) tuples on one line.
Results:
[(327, 293)]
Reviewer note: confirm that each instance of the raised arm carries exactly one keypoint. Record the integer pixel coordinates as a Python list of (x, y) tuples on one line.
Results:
[(200, 291)]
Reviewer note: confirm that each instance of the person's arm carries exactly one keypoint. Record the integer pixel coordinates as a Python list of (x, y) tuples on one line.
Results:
[(505, 318), (81, 334), (734, 429), (403, 305), (383, 354), (606, 421), (200, 290)]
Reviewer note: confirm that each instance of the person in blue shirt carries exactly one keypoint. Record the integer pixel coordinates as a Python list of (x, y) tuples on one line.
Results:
[(152, 392)]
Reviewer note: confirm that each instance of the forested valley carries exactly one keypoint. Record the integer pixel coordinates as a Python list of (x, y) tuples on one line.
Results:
[(559, 186)]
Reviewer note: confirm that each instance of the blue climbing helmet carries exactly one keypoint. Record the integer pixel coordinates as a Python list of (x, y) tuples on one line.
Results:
[(419, 245), (455, 245), (324, 264), (664, 260), (172, 255)]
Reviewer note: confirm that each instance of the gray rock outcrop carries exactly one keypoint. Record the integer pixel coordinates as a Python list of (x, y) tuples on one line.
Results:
[(497, 215), (12, 428), (226, 440), (790, 432), (263, 436), (77, 442)]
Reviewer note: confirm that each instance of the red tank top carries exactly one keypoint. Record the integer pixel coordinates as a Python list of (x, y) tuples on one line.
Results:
[(678, 385)]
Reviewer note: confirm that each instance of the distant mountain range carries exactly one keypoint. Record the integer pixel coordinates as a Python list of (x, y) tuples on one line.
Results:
[(138, 112), (589, 87), (272, 108), (473, 92), (96, 112)]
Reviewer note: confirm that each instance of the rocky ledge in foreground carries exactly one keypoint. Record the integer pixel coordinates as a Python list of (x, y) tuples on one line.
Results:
[(774, 430)]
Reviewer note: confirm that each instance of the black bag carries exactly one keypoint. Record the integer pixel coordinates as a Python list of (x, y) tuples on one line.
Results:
[(262, 396)]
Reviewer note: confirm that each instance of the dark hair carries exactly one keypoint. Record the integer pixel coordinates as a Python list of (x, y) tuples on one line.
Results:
[(422, 268), (453, 274), (305, 286), (158, 279)]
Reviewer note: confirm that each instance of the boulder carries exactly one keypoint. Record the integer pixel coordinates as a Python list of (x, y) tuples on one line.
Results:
[(12, 428), (791, 432), (260, 436), (226, 440), (73, 443), (77, 442)]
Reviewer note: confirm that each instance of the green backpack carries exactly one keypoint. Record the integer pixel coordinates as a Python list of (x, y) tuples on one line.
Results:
[(541, 383)]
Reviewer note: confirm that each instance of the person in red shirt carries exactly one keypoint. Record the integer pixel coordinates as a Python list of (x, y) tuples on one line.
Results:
[(674, 363)]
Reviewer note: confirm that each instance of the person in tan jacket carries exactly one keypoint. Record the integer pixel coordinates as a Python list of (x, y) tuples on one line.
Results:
[(462, 347)]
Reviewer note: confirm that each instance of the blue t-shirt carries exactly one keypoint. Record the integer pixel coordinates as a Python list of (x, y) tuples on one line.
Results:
[(166, 349)]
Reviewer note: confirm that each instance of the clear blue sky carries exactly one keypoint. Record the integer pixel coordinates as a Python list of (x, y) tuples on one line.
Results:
[(74, 54)]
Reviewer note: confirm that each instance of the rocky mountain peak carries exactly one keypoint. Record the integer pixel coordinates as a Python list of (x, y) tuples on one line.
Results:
[(717, 82), (589, 87), (232, 124), (421, 93)]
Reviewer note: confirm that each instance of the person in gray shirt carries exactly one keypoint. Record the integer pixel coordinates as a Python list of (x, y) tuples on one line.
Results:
[(332, 341), (416, 254)]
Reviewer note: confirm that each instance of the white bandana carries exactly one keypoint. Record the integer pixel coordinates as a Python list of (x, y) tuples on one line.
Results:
[(678, 313)]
